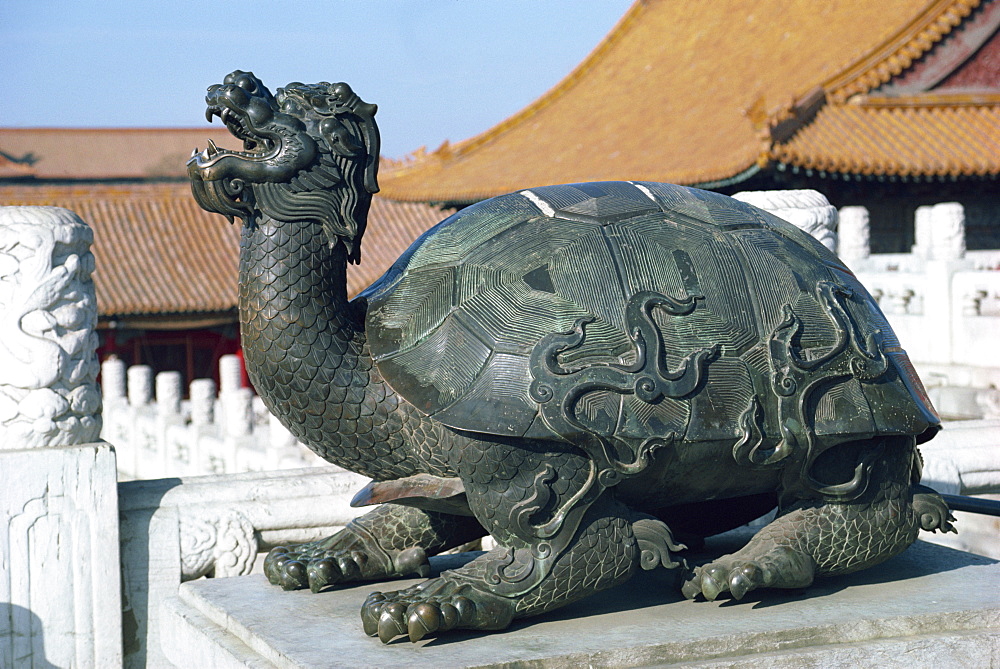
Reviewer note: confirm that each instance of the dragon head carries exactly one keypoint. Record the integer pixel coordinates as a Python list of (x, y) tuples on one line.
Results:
[(310, 153)]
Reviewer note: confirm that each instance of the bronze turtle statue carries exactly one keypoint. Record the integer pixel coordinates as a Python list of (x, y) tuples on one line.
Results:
[(590, 373)]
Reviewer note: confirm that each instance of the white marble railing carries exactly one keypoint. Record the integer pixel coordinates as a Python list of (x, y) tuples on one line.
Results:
[(942, 301), (157, 434), (60, 590), (946, 314)]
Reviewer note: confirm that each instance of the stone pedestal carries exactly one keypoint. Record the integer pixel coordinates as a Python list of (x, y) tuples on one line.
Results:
[(60, 590), (929, 607)]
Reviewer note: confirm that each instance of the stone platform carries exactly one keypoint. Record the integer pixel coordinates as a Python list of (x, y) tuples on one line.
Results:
[(929, 607)]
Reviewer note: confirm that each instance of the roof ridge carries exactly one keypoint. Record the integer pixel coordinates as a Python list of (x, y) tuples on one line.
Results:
[(899, 51), (930, 99)]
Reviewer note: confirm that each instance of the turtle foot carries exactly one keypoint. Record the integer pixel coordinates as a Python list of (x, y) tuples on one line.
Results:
[(741, 572), (432, 607), (317, 564)]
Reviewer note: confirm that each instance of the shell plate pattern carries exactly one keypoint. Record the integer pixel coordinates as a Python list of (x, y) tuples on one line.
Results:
[(642, 313)]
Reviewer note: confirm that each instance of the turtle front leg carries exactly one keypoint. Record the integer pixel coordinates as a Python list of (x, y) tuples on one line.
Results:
[(391, 541), (826, 539), (605, 552)]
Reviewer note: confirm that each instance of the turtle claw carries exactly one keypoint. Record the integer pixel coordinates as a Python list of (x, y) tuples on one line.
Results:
[(293, 575), (370, 613), (780, 567), (713, 583), (323, 572), (423, 619), (745, 579), (390, 621), (315, 566), (432, 607)]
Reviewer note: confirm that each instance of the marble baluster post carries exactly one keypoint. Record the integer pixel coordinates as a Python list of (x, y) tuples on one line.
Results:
[(60, 593)]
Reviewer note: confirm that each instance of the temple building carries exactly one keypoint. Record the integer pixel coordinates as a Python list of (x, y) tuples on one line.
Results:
[(891, 105)]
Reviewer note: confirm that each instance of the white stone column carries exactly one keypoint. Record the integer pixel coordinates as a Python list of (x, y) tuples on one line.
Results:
[(113, 385), (922, 232), (854, 234), (60, 594), (230, 374), (239, 412), (947, 231), (204, 430), (140, 385), (806, 209), (202, 402), (168, 393)]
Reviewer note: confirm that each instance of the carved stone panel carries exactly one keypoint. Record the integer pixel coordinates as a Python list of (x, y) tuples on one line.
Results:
[(48, 385)]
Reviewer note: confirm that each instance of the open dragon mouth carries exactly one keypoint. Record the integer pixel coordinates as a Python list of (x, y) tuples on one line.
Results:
[(255, 147)]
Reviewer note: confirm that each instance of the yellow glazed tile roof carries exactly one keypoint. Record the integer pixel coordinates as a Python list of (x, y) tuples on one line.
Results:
[(697, 93), (926, 135)]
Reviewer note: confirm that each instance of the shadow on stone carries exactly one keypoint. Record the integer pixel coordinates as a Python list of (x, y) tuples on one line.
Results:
[(22, 638)]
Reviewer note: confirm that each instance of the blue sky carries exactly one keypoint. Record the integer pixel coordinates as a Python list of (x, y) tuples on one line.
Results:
[(438, 69)]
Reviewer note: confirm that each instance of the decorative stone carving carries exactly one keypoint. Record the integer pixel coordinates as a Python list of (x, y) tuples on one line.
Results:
[(60, 598), (972, 302), (947, 231), (48, 389), (806, 209), (853, 232), (221, 542), (898, 302), (989, 403)]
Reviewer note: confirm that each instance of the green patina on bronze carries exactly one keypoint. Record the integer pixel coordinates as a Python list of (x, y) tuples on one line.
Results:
[(592, 373)]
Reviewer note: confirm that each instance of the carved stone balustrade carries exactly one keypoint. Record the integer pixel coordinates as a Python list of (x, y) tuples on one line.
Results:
[(59, 580), (174, 530), (808, 210), (943, 303), (215, 432)]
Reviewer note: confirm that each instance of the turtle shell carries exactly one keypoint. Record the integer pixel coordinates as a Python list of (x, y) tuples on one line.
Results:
[(637, 310)]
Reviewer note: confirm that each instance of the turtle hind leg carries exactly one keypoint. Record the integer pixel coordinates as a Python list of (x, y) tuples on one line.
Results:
[(815, 538), (604, 552), (391, 541)]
